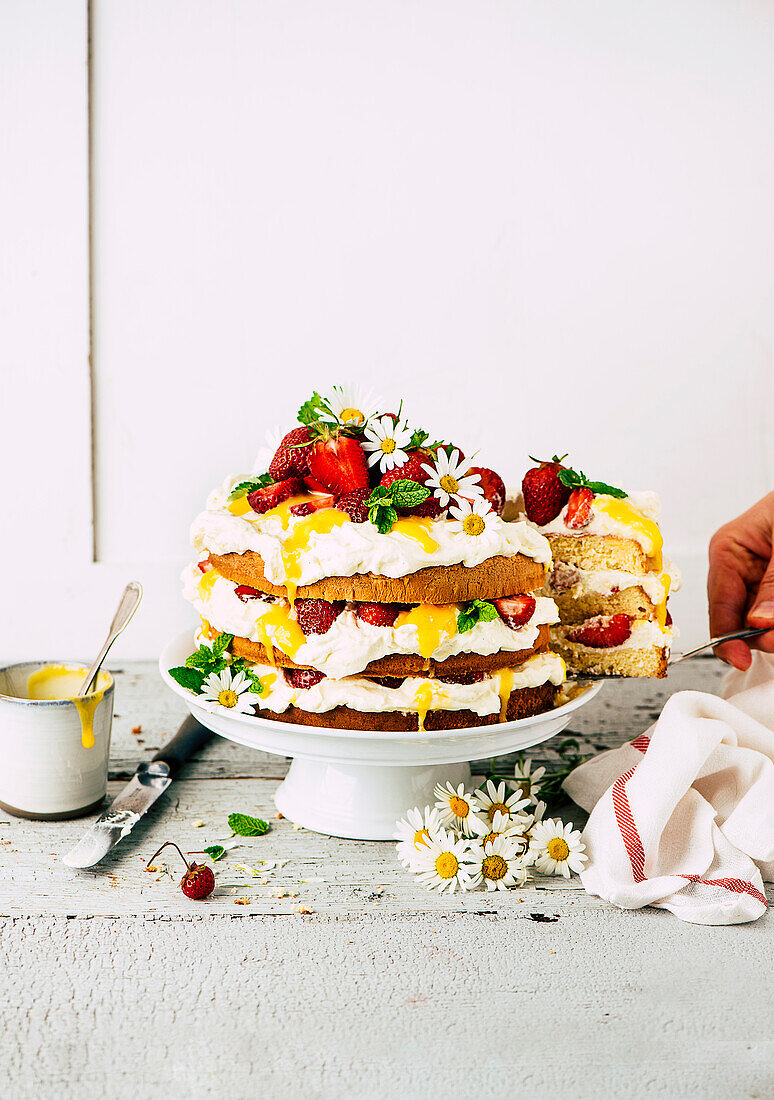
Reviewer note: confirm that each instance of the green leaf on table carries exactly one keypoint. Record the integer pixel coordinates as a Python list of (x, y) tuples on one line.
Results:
[(244, 825), (215, 852)]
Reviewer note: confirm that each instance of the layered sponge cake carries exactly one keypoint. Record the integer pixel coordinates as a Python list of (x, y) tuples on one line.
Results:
[(608, 576), (366, 579)]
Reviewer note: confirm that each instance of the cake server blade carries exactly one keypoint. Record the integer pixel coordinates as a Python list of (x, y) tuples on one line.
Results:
[(146, 785), (749, 632)]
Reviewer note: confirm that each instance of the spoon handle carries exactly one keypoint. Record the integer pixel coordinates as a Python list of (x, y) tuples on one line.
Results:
[(126, 608)]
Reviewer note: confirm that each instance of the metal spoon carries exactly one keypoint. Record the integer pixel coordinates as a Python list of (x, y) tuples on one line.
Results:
[(749, 632), (127, 606)]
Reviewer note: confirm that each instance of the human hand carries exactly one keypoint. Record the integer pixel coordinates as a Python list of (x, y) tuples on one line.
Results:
[(740, 585)]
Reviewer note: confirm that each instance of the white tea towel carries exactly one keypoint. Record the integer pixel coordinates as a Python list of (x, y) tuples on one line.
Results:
[(683, 816)]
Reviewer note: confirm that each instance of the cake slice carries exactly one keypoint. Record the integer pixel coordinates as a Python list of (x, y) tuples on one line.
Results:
[(608, 577)]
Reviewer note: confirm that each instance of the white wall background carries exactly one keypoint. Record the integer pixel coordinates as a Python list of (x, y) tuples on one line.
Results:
[(547, 225)]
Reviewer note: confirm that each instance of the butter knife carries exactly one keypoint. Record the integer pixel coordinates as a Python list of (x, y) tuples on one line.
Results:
[(146, 785)]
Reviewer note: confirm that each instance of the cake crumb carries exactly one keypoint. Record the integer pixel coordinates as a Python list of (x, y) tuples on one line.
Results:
[(197, 824), (304, 909), (242, 901), (279, 816), (136, 730)]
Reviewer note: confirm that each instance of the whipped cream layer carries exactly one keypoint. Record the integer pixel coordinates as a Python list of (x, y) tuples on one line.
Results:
[(639, 523), (645, 635), (352, 548), (569, 580), (350, 644), (416, 695)]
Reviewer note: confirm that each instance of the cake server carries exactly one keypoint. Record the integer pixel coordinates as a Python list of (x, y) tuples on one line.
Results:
[(749, 632), (146, 785)]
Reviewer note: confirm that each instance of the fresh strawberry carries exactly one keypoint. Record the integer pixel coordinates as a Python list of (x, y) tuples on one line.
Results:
[(493, 486), (204, 565), (544, 494), (198, 882), (387, 681), (292, 456), (411, 469), (431, 508), (378, 614), (515, 611), (245, 593), (338, 463), (263, 500), (602, 632), (354, 504), (578, 513), (322, 500), (462, 678), (303, 677), (668, 621), (317, 616)]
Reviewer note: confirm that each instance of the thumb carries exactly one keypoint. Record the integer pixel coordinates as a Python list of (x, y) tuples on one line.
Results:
[(762, 611)]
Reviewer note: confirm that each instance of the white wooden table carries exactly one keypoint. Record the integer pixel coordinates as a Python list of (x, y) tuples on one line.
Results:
[(339, 977)]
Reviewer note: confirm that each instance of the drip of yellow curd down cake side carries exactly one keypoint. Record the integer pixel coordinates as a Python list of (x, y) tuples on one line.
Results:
[(318, 523), (240, 506), (621, 511), (423, 699), (285, 632), (206, 583), (60, 682), (418, 529), (506, 687), (433, 623), (661, 610)]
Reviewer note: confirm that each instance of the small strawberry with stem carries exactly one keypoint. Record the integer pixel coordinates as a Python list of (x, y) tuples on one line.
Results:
[(198, 882)]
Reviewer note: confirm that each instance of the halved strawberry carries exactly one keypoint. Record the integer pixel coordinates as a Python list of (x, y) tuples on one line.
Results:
[(291, 458), (263, 500), (322, 500), (338, 463), (378, 614), (462, 678), (578, 513), (245, 593), (601, 632), (411, 469), (303, 677), (354, 504), (493, 486), (317, 616), (204, 565), (544, 494), (515, 611)]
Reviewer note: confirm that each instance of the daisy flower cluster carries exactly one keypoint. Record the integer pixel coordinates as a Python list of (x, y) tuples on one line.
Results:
[(491, 837)]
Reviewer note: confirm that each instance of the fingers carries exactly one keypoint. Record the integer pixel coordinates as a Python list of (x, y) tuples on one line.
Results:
[(727, 593), (762, 611)]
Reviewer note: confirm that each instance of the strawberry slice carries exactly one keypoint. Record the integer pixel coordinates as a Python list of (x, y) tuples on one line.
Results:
[(602, 632), (544, 494), (378, 614), (493, 486), (339, 464), (263, 500), (303, 677), (515, 611), (245, 593), (322, 500), (317, 616), (578, 512)]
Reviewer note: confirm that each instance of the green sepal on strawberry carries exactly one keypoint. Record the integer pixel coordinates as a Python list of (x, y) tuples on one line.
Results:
[(547, 487)]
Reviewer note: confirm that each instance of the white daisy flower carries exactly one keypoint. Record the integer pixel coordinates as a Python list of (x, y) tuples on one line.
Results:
[(497, 863), (353, 404), (226, 690), (472, 517), (454, 807), (274, 437), (386, 439), (449, 478), (413, 831), (528, 782), (556, 848), (441, 863), (490, 799), (502, 825), (537, 815)]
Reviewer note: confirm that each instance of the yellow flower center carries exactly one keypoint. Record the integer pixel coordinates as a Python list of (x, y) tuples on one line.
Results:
[(352, 416), (447, 865), (227, 698), (488, 837), (498, 806), (388, 446), (458, 806), (473, 524), (420, 838), (558, 849), (494, 867), (449, 484)]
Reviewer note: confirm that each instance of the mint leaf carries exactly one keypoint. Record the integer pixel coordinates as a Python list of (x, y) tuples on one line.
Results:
[(221, 644), (215, 852), (190, 678), (244, 825), (477, 611), (255, 681), (383, 516), (407, 493), (250, 485), (203, 658), (576, 479)]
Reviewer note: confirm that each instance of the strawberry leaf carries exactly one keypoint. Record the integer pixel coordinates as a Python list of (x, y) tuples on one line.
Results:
[(250, 485), (314, 410), (576, 479), (418, 439), (244, 825)]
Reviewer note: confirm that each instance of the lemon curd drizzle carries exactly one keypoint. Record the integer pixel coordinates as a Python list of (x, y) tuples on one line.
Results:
[(423, 699), (318, 523), (433, 623), (61, 682), (506, 687), (277, 627), (418, 529), (621, 511), (661, 609)]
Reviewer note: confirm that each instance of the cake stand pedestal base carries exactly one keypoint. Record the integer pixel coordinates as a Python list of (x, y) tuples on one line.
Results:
[(359, 802)]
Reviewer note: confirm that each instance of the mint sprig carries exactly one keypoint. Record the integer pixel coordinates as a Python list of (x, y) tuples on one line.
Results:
[(576, 479), (250, 485), (192, 679), (477, 611), (207, 659), (386, 499), (244, 825)]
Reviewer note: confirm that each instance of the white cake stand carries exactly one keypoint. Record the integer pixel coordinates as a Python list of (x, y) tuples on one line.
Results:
[(356, 784)]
